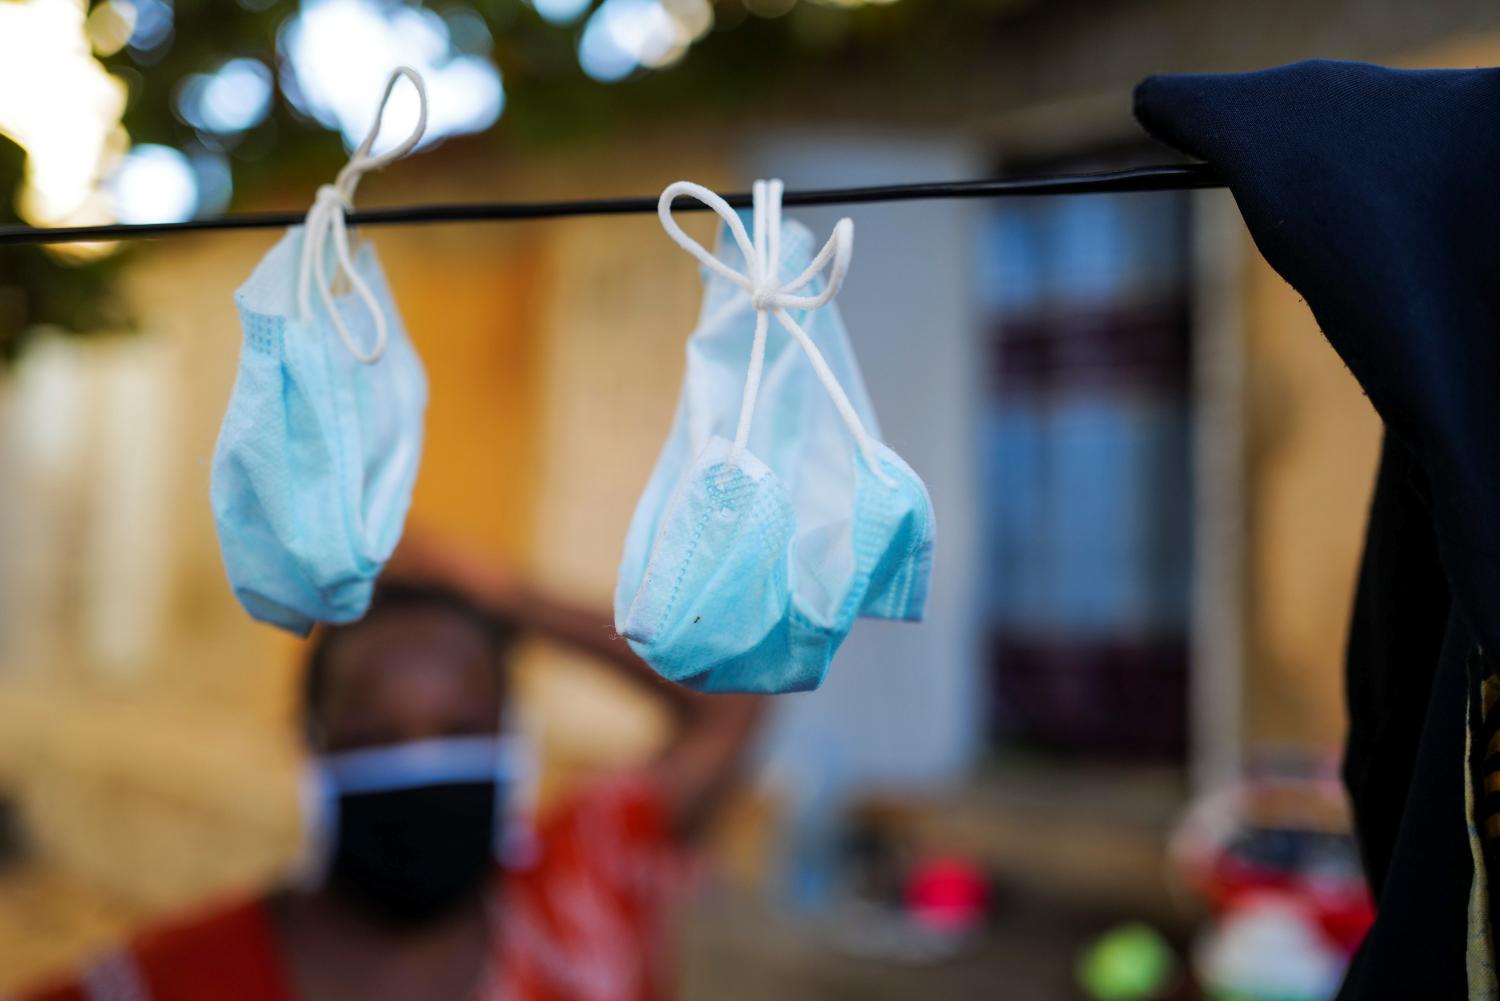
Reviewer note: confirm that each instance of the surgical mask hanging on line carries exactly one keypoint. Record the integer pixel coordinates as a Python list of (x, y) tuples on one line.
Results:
[(319, 448), (768, 527)]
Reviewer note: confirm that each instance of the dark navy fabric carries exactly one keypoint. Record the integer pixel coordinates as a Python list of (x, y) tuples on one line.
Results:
[(1376, 193)]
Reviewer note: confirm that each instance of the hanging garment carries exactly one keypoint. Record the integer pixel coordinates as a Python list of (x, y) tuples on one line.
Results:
[(1372, 191), (769, 524), (316, 458)]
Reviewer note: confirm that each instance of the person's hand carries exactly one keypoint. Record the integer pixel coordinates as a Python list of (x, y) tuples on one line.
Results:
[(710, 732)]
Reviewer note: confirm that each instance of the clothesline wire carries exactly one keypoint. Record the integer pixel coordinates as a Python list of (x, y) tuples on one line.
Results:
[(1175, 177)]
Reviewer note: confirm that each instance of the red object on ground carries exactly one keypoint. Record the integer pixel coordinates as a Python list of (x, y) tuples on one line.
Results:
[(1343, 908), (947, 893)]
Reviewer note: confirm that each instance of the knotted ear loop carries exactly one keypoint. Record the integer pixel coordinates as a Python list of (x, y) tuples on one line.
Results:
[(762, 256), (326, 220)]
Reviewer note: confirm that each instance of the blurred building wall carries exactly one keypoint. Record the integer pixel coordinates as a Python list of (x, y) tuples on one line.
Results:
[(142, 725), (146, 724), (1069, 65), (902, 703), (1312, 445)]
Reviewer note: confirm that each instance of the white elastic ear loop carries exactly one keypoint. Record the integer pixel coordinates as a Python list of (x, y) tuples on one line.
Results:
[(515, 808), (731, 219), (838, 396), (326, 219), (763, 276), (319, 817), (517, 791), (762, 262)]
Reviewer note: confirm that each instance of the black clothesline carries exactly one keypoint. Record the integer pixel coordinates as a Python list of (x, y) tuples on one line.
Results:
[(1179, 177)]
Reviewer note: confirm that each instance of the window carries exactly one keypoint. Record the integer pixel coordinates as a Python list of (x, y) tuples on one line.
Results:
[(1086, 479)]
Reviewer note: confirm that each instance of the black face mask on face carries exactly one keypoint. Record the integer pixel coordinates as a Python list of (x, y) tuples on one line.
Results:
[(410, 856), (409, 832)]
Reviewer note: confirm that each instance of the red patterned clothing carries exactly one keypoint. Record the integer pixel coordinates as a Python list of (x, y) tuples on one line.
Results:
[(586, 920)]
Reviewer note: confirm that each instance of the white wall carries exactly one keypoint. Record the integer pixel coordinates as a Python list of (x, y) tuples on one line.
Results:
[(902, 703)]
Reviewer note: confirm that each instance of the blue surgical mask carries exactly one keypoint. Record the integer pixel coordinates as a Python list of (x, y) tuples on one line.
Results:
[(318, 452), (768, 527)]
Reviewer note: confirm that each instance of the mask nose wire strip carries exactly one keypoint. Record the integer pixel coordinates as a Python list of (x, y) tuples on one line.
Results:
[(325, 221), (767, 298)]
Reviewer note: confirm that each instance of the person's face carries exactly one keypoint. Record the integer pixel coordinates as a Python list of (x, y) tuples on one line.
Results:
[(409, 675)]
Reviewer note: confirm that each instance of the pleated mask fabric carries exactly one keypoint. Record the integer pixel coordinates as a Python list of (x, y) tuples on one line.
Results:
[(319, 448), (774, 516)]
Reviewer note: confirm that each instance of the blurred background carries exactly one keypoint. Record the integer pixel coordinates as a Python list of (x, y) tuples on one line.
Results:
[(1105, 766)]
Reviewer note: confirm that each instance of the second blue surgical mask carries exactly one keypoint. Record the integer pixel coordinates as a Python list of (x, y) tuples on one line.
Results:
[(774, 516)]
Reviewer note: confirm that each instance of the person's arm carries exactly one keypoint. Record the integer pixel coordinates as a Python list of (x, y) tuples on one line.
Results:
[(710, 733)]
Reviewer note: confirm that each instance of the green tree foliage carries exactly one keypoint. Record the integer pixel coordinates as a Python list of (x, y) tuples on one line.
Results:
[(747, 62)]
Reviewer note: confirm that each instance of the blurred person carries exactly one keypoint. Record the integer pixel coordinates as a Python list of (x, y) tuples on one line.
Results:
[(431, 884)]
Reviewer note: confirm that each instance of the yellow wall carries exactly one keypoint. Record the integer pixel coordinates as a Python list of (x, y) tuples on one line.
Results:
[(553, 351), (1313, 441)]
